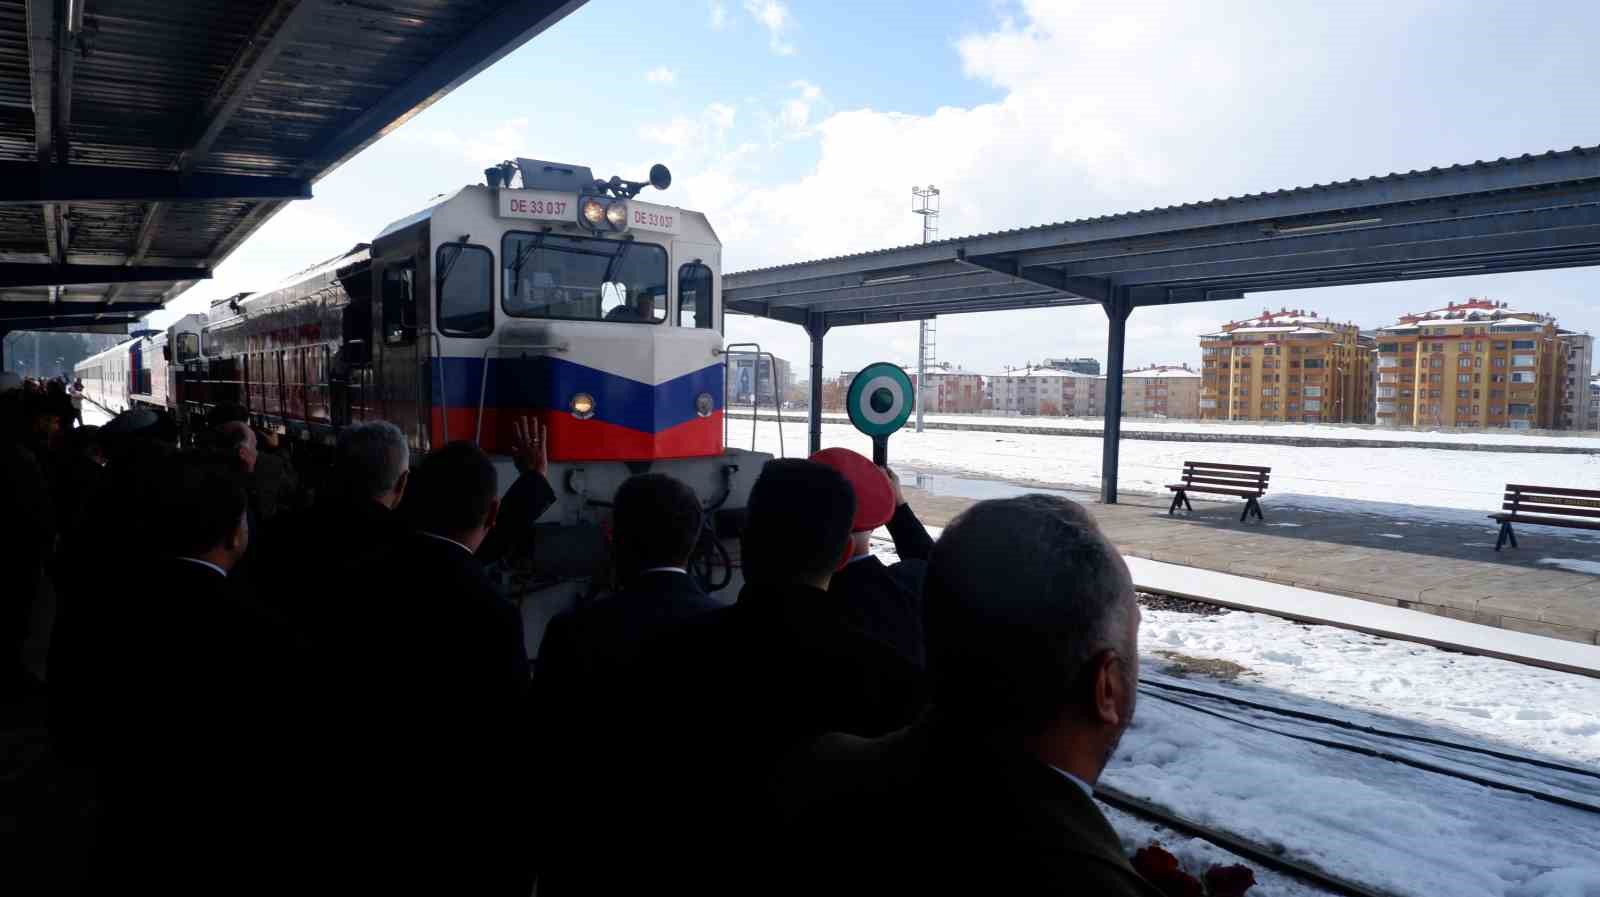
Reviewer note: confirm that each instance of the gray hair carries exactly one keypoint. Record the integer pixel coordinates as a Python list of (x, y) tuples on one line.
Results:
[(370, 458), (1021, 594)]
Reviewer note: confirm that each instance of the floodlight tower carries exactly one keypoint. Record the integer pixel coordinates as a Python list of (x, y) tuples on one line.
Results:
[(925, 202)]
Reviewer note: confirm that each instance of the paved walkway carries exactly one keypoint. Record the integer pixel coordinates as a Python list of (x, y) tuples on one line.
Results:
[(1437, 567)]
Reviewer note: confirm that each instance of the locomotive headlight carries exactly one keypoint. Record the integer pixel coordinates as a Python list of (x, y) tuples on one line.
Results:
[(592, 212), (582, 406), (617, 215), (703, 404)]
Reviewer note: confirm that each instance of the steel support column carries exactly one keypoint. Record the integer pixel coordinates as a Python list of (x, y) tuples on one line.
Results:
[(816, 329), (1118, 306)]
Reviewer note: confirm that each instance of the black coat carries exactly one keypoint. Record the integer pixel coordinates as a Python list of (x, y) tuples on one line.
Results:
[(730, 693), (194, 697), (426, 731), (885, 600), (933, 809), (586, 703)]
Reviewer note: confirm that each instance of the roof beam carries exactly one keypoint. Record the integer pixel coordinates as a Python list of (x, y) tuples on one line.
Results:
[(10, 311), (19, 274), (22, 183), (1417, 252), (49, 79), (1096, 288), (75, 324)]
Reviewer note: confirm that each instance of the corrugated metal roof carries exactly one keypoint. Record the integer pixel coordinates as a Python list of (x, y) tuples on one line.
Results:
[(287, 88), (1240, 200)]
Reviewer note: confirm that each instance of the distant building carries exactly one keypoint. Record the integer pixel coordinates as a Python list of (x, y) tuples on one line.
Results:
[(1594, 401), (1048, 392), (1287, 365), (1161, 390), (1575, 381), (749, 379), (1090, 366), (1473, 364), (952, 390)]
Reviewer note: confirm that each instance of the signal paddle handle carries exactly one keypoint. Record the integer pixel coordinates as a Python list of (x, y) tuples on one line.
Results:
[(880, 450)]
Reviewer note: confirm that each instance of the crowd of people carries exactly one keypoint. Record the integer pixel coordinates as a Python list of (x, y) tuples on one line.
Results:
[(265, 675)]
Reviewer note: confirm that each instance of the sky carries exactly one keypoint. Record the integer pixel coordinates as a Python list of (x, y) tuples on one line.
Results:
[(799, 129)]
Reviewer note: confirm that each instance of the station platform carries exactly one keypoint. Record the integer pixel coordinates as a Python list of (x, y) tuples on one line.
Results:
[(1439, 567)]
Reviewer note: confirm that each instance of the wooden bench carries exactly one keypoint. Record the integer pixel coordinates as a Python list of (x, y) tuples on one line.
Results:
[(1243, 480), (1546, 506)]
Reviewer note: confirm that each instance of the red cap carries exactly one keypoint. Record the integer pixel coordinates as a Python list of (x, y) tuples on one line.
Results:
[(874, 495)]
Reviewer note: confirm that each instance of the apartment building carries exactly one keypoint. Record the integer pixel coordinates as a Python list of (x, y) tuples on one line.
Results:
[(1161, 390), (1478, 364), (952, 390), (1286, 365), (1047, 392), (1576, 412)]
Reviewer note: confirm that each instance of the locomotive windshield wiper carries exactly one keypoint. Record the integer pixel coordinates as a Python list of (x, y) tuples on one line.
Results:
[(522, 256), (449, 263)]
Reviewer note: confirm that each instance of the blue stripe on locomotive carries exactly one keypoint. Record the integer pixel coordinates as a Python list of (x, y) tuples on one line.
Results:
[(545, 382)]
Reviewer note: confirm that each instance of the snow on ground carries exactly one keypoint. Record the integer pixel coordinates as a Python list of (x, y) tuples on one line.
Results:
[(1395, 828), (1302, 431), (1424, 485), (1196, 855), (1576, 565), (1392, 827)]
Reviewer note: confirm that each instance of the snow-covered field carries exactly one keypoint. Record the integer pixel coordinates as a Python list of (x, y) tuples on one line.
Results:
[(1410, 483), (1392, 827), (1589, 440)]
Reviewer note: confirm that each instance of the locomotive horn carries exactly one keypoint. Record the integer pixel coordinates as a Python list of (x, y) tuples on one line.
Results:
[(660, 177)]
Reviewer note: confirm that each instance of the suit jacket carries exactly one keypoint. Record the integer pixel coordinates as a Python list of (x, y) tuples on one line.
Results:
[(195, 695), (427, 732), (726, 696), (934, 809), (885, 600), (587, 703)]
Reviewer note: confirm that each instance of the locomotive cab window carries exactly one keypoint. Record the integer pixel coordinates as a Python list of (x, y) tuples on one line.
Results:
[(694, 296), (399, 312), (188, 346), (466, 290), (583, 278)]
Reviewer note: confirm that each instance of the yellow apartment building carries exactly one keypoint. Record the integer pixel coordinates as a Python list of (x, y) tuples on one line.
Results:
[(1477, 364), (1288, 365)]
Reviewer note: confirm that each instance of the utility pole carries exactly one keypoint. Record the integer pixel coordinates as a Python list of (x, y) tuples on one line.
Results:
[(926, 204)]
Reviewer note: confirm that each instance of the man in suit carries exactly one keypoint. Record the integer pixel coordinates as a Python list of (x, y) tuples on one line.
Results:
[(584, 662), (196, 696), (737, 687), (445, 721), (883, 600), (1033, 656)]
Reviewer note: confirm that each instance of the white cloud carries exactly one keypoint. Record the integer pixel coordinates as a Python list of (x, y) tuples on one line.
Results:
[(719, 15), (1099, 111), (661, 75), (774, 16), (694, 137), (507, 140)]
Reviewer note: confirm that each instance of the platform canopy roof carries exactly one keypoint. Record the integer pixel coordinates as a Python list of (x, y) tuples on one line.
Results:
[(1517, 214), (141, 141)]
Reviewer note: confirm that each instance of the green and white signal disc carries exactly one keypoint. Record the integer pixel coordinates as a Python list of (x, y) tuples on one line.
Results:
[(880, 399)]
